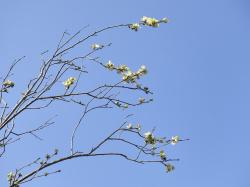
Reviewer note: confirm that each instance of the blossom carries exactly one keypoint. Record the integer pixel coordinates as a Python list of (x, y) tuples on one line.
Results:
[(129, 76), (122, 68), (164, 20), (134, 26), (138, 127), (141, 100), (117, 104), (147, 134), (70, 81), (152, 22), (10, 176), (8, 84), (149, 138), (169, 167), (143, 70), (96, 46), (175, 140), (129, 126), (110, 65), (125, 105), (163, 155)]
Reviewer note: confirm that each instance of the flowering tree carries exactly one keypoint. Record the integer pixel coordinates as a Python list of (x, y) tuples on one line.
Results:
[(52, 84)]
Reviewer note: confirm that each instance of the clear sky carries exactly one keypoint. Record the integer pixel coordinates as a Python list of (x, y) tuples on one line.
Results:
[(198, 69)]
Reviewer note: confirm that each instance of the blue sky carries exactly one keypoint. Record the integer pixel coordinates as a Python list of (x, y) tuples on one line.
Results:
[(198, 69)]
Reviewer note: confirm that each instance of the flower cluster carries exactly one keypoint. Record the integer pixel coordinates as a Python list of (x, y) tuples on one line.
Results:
[(150, 139), (69, 82), (152, 22), (8, 84), (127, 75), (148, 21), (11, 177), (131, 77)]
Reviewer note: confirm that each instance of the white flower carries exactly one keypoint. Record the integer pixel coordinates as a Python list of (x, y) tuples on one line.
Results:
[(70, 81), (122, 68), (134, 26), (129, 126), (163, 155), (126, 105), (150, 21), (149, 138), (96, 46), (164, 20), (138, 126), (143, 70), (10, 176), (175, 140), (110, 65), (8, 84), (147, 134)]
